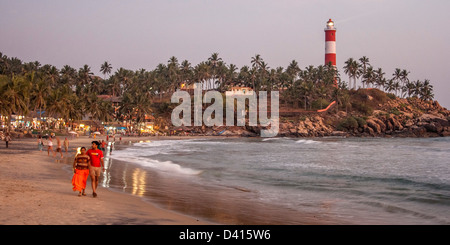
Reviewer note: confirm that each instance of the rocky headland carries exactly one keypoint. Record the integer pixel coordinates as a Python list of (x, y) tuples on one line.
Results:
[(371, 113)]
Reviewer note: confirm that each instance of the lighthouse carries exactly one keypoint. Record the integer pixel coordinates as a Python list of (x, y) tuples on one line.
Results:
[(330, 46), (330, 43)]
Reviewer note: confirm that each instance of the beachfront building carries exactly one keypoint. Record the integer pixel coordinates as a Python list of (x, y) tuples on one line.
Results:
[(237, 90)]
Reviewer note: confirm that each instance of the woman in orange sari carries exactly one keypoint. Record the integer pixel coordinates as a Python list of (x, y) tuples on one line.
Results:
[(81, 166)]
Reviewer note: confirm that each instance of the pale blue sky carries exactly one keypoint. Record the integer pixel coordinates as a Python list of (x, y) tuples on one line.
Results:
[(408, 34)]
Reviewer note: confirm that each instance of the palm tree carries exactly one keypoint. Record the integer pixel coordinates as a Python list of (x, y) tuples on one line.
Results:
[(106, 68), (351, 68), (397, 75), (404, 80), (52, 74), (68, 75), (39, 92), (173, 73), (202, 73), (256, 61), (214, 63), (293, 71), (230, 77), (426, 92), (307, 90), (364, 65), (124, 77), (186, 72), (85, 78), (368, 77), (390, 85), (380, 80), (14, 94), (98, 109)]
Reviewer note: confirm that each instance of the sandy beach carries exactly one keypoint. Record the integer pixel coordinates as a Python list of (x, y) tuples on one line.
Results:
[(36, 190)]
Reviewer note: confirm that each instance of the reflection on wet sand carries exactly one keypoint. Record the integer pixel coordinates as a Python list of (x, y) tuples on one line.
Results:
[(139, 183)]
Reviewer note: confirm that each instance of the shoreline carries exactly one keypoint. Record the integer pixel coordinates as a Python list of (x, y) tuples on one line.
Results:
[(182, 195), (38, 191)]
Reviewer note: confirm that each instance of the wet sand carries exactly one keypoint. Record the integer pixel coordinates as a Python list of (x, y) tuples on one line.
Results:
[(37, 190)]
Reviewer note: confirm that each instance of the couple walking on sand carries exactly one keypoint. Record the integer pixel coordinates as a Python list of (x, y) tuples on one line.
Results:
[(87, 163)]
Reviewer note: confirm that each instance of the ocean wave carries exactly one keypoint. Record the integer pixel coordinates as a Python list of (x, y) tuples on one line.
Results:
[(268, 139), (303, 141), (164, 166)]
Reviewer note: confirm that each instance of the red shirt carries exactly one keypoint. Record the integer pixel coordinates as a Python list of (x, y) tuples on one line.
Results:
[(95, 156)]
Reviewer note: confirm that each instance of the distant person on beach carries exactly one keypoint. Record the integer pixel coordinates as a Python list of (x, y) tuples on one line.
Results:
[(49, 145), (81, 166), (103, 148), (7, 139), (40, 143), (58, 147), (96, 166), (66, 144)]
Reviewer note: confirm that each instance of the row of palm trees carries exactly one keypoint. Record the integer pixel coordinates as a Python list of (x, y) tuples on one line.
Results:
[(294, 83), (399, 83), (70, 94)]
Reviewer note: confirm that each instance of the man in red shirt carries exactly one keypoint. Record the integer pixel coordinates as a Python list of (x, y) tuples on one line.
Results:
[(97, 165)]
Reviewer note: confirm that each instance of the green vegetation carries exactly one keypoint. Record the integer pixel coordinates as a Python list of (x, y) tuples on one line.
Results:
[(399, 84), (351, 123), (28, 88)]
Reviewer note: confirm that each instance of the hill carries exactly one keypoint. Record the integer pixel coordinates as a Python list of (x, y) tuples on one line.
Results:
[(367, 113)]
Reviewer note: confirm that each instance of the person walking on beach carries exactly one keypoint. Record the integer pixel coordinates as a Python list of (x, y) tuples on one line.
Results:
[(58, 147), (96, 166), (49, 145), (7, 139), (81, 166), (40, 143), (103, 148), (66, 144)]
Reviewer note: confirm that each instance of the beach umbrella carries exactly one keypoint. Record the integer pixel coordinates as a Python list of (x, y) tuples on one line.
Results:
[(96, 132)]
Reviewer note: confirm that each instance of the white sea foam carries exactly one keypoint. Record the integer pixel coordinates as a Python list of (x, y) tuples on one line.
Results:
[(268, 139), (142, 157), (307, 141)]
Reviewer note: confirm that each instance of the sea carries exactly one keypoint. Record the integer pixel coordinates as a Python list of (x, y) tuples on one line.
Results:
[(289, 180)]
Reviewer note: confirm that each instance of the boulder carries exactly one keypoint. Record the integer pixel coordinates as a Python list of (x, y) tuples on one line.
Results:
[(396, 125), (369, 130), (433, 127), (418, 131), (374, 125)]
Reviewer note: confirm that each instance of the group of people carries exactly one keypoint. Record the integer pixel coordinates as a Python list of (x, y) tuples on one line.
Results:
[(59, 145), (88, 163)]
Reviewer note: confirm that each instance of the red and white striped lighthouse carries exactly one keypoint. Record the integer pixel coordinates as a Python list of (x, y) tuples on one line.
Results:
[(330, 43)]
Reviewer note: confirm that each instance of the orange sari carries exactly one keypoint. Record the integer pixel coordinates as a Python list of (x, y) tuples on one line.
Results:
[(79, 179), (81, 173)]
